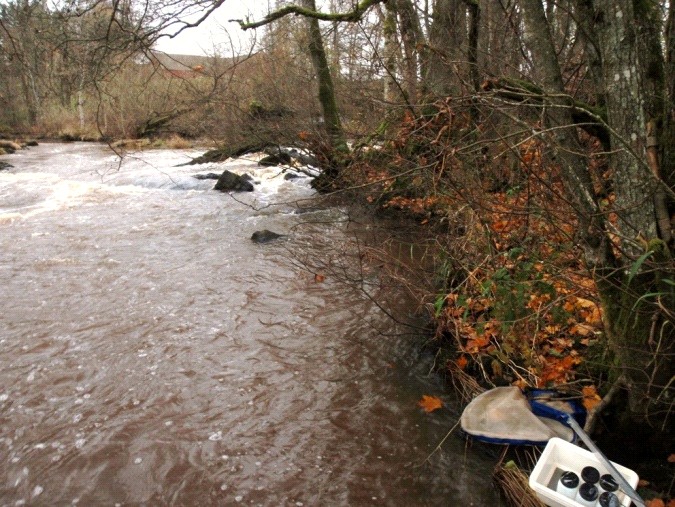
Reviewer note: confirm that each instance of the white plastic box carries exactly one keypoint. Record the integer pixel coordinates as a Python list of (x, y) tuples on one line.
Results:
[(560, 456)]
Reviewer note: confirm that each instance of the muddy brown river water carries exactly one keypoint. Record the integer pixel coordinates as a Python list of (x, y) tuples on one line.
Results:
[(151, 354)]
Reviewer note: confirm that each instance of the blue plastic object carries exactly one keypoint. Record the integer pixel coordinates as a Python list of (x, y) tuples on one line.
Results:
[(538, 399)]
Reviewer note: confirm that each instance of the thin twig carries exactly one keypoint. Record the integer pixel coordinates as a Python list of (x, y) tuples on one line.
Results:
[(440, 443)]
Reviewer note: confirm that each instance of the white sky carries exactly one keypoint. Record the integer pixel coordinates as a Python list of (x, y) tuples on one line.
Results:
[(217, 34)]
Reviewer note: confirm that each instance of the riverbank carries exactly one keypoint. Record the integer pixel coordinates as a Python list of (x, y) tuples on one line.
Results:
[(513, 301)]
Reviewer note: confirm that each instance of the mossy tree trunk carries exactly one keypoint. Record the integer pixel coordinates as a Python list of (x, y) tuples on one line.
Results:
[(638, 308), (392, 90), (331, 115)]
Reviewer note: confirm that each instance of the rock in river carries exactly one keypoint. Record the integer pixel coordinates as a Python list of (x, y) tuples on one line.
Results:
[(230, 181), (9, 146), (207, 176), (281, 158), (265, 236), (5, 165)]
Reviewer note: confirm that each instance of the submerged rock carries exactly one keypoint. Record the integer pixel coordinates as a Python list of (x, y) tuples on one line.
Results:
[(281, 158), (265, 236), (207, 176), (229, 181), (222, 154), (5, 165), (288, 156), (291, 176)]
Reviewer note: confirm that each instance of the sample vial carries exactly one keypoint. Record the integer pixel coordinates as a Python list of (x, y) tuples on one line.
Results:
[(590, 475), (608, 499), (568, 484), (608, 483), (587, 495)]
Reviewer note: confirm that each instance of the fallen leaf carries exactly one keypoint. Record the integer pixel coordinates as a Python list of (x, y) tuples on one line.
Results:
[(581, 329), (591, 397), (643, 483), (318, 278), (430, 403), (462, 361), (655, 502), (671, 458), (585, 303)]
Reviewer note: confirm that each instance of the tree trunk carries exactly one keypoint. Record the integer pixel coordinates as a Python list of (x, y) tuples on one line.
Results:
[(392, 90), (413, 47), (447, 36), (633, 187), (474, 26), (627, 72), (327, 99), (629, 319), (668, 136), (80, 100), (585, 20)]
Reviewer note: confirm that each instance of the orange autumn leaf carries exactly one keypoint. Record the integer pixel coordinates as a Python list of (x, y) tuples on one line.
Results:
[(461, 362), (585, 303), (671, 458), (500, 225), (318, 278), (591, 397), (655, 502), (474, 344), (671, 503), (581, 329), (430, 403)]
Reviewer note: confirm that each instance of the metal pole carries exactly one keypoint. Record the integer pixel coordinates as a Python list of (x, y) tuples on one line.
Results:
[(612, 469)]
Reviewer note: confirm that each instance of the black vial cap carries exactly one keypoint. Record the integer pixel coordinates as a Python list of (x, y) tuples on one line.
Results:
[(608, 499), (590, 474), (569, 480), (588, 492), (608, 483)]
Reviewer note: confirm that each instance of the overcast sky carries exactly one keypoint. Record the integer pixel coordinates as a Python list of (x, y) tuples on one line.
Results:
[(217, 33)]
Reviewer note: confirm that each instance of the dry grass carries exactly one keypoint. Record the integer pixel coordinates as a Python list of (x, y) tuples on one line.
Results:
[(513, 482), (466, 386), (176, 142)]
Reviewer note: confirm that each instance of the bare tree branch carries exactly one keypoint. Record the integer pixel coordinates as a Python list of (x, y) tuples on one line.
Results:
[(351, 16)]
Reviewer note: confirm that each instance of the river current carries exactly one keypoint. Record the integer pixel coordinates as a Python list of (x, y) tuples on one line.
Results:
[(152, 354)]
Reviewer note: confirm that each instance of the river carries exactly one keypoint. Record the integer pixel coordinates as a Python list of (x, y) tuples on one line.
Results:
[(152, 354)]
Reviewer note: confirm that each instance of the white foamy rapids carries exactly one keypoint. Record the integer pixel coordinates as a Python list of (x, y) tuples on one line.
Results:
[(76, 178), (28, 194)]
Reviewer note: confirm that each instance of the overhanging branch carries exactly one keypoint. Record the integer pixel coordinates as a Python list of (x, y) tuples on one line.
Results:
[(352, 16), (589, 118)]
